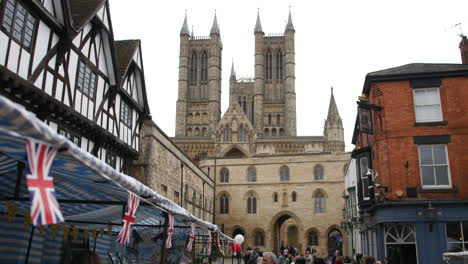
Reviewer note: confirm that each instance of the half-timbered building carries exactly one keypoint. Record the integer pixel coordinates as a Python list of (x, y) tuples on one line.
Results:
[(59, 60)]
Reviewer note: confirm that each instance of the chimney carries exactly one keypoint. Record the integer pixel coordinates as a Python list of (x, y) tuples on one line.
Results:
[(464, 49)]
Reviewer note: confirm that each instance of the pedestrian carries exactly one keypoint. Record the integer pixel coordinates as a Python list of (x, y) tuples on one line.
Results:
[(283, 257), (300, 260), (253, 256), (308, 257), (269, 258), (335, 256), (369, 260), (339, 260), (347, 260), (247, 255)]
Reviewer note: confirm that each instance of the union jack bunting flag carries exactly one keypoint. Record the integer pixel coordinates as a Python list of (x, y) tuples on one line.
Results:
[(129, 218), (170, 231), (191, 238), (45, 209), (208, 249)]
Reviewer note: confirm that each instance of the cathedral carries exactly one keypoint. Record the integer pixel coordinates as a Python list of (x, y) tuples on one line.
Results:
[(274, 187)]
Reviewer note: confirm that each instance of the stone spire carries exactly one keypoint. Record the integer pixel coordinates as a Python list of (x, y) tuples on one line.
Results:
[(258, 25), (233, 72), (184, 30), (215, 27), (289, 25), (333, 114)]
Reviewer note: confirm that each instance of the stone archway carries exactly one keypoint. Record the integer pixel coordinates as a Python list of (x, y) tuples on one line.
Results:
[(286, 228)]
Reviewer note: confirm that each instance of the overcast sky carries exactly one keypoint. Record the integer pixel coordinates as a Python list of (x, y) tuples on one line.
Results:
[(337, 44)]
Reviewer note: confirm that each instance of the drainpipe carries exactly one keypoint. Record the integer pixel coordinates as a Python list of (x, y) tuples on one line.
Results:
[(214, 190), (181, 183)]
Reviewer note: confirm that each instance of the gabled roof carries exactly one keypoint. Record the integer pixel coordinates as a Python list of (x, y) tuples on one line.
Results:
[(234, 111), (82, 11), (124, 52), (415, 70)]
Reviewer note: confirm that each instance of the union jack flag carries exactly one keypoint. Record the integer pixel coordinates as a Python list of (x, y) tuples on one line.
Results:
[(170, 231), (191, 238), (208, 248), (129, 218), (45, 209)]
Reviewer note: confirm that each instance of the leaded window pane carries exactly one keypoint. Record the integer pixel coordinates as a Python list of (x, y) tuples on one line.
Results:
[(8, 15), (19, 22)]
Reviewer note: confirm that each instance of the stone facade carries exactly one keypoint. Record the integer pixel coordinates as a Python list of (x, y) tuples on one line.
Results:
[(300, 214), (167, 170), (263, 172)]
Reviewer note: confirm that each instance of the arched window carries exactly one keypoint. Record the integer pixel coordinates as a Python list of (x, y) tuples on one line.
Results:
[(268, 65), (259, 239), (269, 119), (275, 197), (204, 131), (189, 132), (224, 175), (252, 204), (278, 119), (197, 132), (224, 204), (193, 67), (241, 134), (204, 67), (267, 132), (190, 118), (251, 174), (319, 206), (284, 173), (279, 65), (273, 132), (318, 172), (312, 238), (294, 196), (227, 134)]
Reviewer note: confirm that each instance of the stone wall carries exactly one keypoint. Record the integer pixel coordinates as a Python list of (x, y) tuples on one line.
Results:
[(168, 171)]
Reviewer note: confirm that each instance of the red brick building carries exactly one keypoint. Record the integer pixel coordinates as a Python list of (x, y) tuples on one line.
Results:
[(411, 138)]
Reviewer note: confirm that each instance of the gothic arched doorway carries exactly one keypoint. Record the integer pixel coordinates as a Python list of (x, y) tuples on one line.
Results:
[(285, 229), (335, 241)]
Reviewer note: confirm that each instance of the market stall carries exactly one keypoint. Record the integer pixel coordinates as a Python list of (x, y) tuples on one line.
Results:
[(57, 199)]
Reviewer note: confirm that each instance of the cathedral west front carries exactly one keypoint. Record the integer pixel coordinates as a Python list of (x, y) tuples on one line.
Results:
[(272, 186)]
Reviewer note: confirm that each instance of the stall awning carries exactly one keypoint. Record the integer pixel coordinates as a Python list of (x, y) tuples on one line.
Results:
[(88, 190)]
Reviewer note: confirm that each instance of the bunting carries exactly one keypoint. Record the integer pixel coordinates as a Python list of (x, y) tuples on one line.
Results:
[(45, 209), (208, 250), (170, 231), (191, 238), (129, 218)]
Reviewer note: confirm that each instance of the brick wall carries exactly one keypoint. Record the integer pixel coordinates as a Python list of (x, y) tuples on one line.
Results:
[(395, 156)]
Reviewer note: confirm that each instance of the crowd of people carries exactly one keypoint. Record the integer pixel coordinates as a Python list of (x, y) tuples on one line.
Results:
[(292, 256)]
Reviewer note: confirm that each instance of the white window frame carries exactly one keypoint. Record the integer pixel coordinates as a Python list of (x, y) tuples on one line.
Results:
[(433, 165), (415, 106)]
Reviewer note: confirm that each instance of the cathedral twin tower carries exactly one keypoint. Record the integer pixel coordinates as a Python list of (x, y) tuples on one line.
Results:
[(269, 101), (260, 108)]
